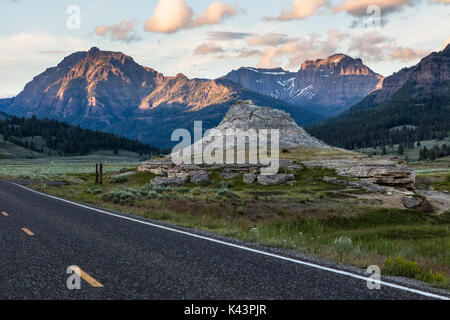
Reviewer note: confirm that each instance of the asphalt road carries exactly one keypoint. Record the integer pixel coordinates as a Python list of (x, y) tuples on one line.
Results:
[(124, 257)]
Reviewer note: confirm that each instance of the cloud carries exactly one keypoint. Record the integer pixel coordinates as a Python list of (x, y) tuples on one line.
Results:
[(249, 53), (214, 14), (122, 31), (300, 9), (271, 39), (369, 46), (207, 48), (225, 36), (358, 8), (171, 16), (407, 54)]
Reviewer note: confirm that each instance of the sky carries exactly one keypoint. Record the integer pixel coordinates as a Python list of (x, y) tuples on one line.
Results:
[(208, 39)]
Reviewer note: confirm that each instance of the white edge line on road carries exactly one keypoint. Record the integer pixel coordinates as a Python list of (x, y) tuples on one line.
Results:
[(349, 274)]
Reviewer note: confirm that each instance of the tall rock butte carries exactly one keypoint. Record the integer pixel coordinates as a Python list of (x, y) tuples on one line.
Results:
[(246, 116)]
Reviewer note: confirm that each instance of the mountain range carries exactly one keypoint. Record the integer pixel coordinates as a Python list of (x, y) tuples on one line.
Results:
[(109, 91), (324, 86), (416, 100)]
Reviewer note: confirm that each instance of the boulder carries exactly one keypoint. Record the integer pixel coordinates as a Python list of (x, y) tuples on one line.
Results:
[(275, 179), (417, 203), (156, 166), (201, 177), (230, 175), (249, 178), (167, 182)]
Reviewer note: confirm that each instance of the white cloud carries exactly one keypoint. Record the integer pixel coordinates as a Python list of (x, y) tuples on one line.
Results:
[(214, 14), (171, 16), (300, 9)]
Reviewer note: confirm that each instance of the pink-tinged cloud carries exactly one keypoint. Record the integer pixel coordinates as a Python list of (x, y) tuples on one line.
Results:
[(358, 8), (214, 14), (271, 39), (249, 53), (407, 54), (300, 9), (122, 31), (207, 48), (171, 16)]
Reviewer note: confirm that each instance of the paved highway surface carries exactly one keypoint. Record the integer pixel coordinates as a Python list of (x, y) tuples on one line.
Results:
[(125, 257)]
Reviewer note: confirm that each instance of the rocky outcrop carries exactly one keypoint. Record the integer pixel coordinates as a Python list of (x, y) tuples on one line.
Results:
[(385, 172), (201, 177), (276, 179), (168, 182), (417, 203), (327, 86), (245, 115), (249, 178)]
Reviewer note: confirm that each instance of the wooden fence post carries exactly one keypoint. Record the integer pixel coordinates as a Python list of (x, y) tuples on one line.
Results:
[(101, 174), (96, 173)]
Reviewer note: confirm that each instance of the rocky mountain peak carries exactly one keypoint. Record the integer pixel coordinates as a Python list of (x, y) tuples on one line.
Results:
[(339, 64), (325, 86)]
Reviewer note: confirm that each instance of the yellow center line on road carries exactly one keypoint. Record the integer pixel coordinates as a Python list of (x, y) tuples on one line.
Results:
[(4, 213), (27, 231), (87, 278)]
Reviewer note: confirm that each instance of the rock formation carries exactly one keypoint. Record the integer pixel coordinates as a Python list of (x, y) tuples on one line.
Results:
[(245, 116)]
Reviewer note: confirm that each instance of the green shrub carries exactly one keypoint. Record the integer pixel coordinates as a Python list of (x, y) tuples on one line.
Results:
[(120, 179), (399, 266), (225, 184), (227, 194), (342, 245), (152, 195), (196, 191), (120, 197), (144, 190)]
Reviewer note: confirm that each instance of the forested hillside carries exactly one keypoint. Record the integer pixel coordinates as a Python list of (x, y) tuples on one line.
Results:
[(398, 121), (59, 138)]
